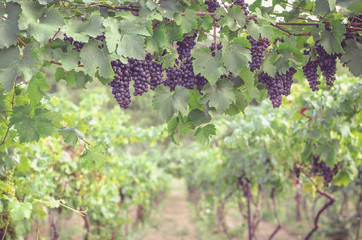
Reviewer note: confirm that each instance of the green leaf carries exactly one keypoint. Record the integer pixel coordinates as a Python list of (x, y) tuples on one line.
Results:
[(207, 65), (235, 19), (93, 57), (9, 59), (332, 4), (81, 31), (72, 78), (174, 32), (132, 46), (352, 56), (322, 6), (331, 40), (168, 103), (37, 85), (219, 96), (235, 56), (112, 34), (203, 134), (262, 28), (158, 40), (19, 211), (238, 105), (355, 6), (69, 135), (199, 117), (248, 78), (93, 159), (187, 22), (9, 27), (31, 127), (70, 60), (40, 23)]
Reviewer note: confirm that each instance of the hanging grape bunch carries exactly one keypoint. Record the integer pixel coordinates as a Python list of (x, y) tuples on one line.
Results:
[(257, 51)]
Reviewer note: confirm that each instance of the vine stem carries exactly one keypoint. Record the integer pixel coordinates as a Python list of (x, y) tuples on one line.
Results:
[(359, 214), (8, 129), (325, 206), (87, 225), (215, 44), (6, 229), (275, 214)]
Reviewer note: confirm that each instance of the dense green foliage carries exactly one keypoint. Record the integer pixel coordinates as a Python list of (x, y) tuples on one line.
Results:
[(54, 153)]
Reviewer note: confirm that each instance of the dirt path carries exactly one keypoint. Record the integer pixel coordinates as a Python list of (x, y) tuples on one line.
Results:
[(175, 221)]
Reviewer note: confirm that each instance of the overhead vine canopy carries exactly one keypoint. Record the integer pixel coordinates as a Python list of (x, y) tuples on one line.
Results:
[(197, 56)]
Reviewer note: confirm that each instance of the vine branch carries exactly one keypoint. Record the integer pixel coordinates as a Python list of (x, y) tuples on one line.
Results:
[(276, 215)]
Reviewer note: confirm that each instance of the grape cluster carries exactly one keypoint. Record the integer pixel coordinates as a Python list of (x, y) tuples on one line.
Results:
[(182, 74), (257, 51), (78, 45), (321, 169), (144, 73), (310, 72), (212, 5), (327, 64), (244, 6), (278, 39), (277, 86), (120, 83), (185, 46), (213, 50)]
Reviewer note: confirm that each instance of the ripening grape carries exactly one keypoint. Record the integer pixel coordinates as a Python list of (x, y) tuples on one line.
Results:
[(185, 46), (327, 64), (257, 51), (277, 86), (212, 5), (310, 72), (120, 83), (212, 48), (320, 168)]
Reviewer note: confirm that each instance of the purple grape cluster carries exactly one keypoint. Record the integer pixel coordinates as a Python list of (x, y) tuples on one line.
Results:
[(184, 75), (78, 45), (310, 72), (321, 169), (327, 64), (213, 50), (277, 86), (212, 5), (185, 46), (244, 6), (120, 83), (278, 39), (144, 73), (257, 51)]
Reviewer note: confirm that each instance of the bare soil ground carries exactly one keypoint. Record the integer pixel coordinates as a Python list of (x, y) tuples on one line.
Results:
[(175, 222)]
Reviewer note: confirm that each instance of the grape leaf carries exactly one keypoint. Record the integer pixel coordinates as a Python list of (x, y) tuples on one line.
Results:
[(31, 127), (235, 57), (188, 21), (248, 78), (235, 19), (199, 117), (355, 6), (9, 27), (9, 58), (168, 103), (331, 40), (72, 77), (219, 96), (203, 134), (19, 211), (238, 105), (207, 65), (93, 159), (94, 57), (262, 28), (81, 31), (352, 56), (321, 6), (112, 33), (40, 23), (37, 85), (132, 46), (69, 60)]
